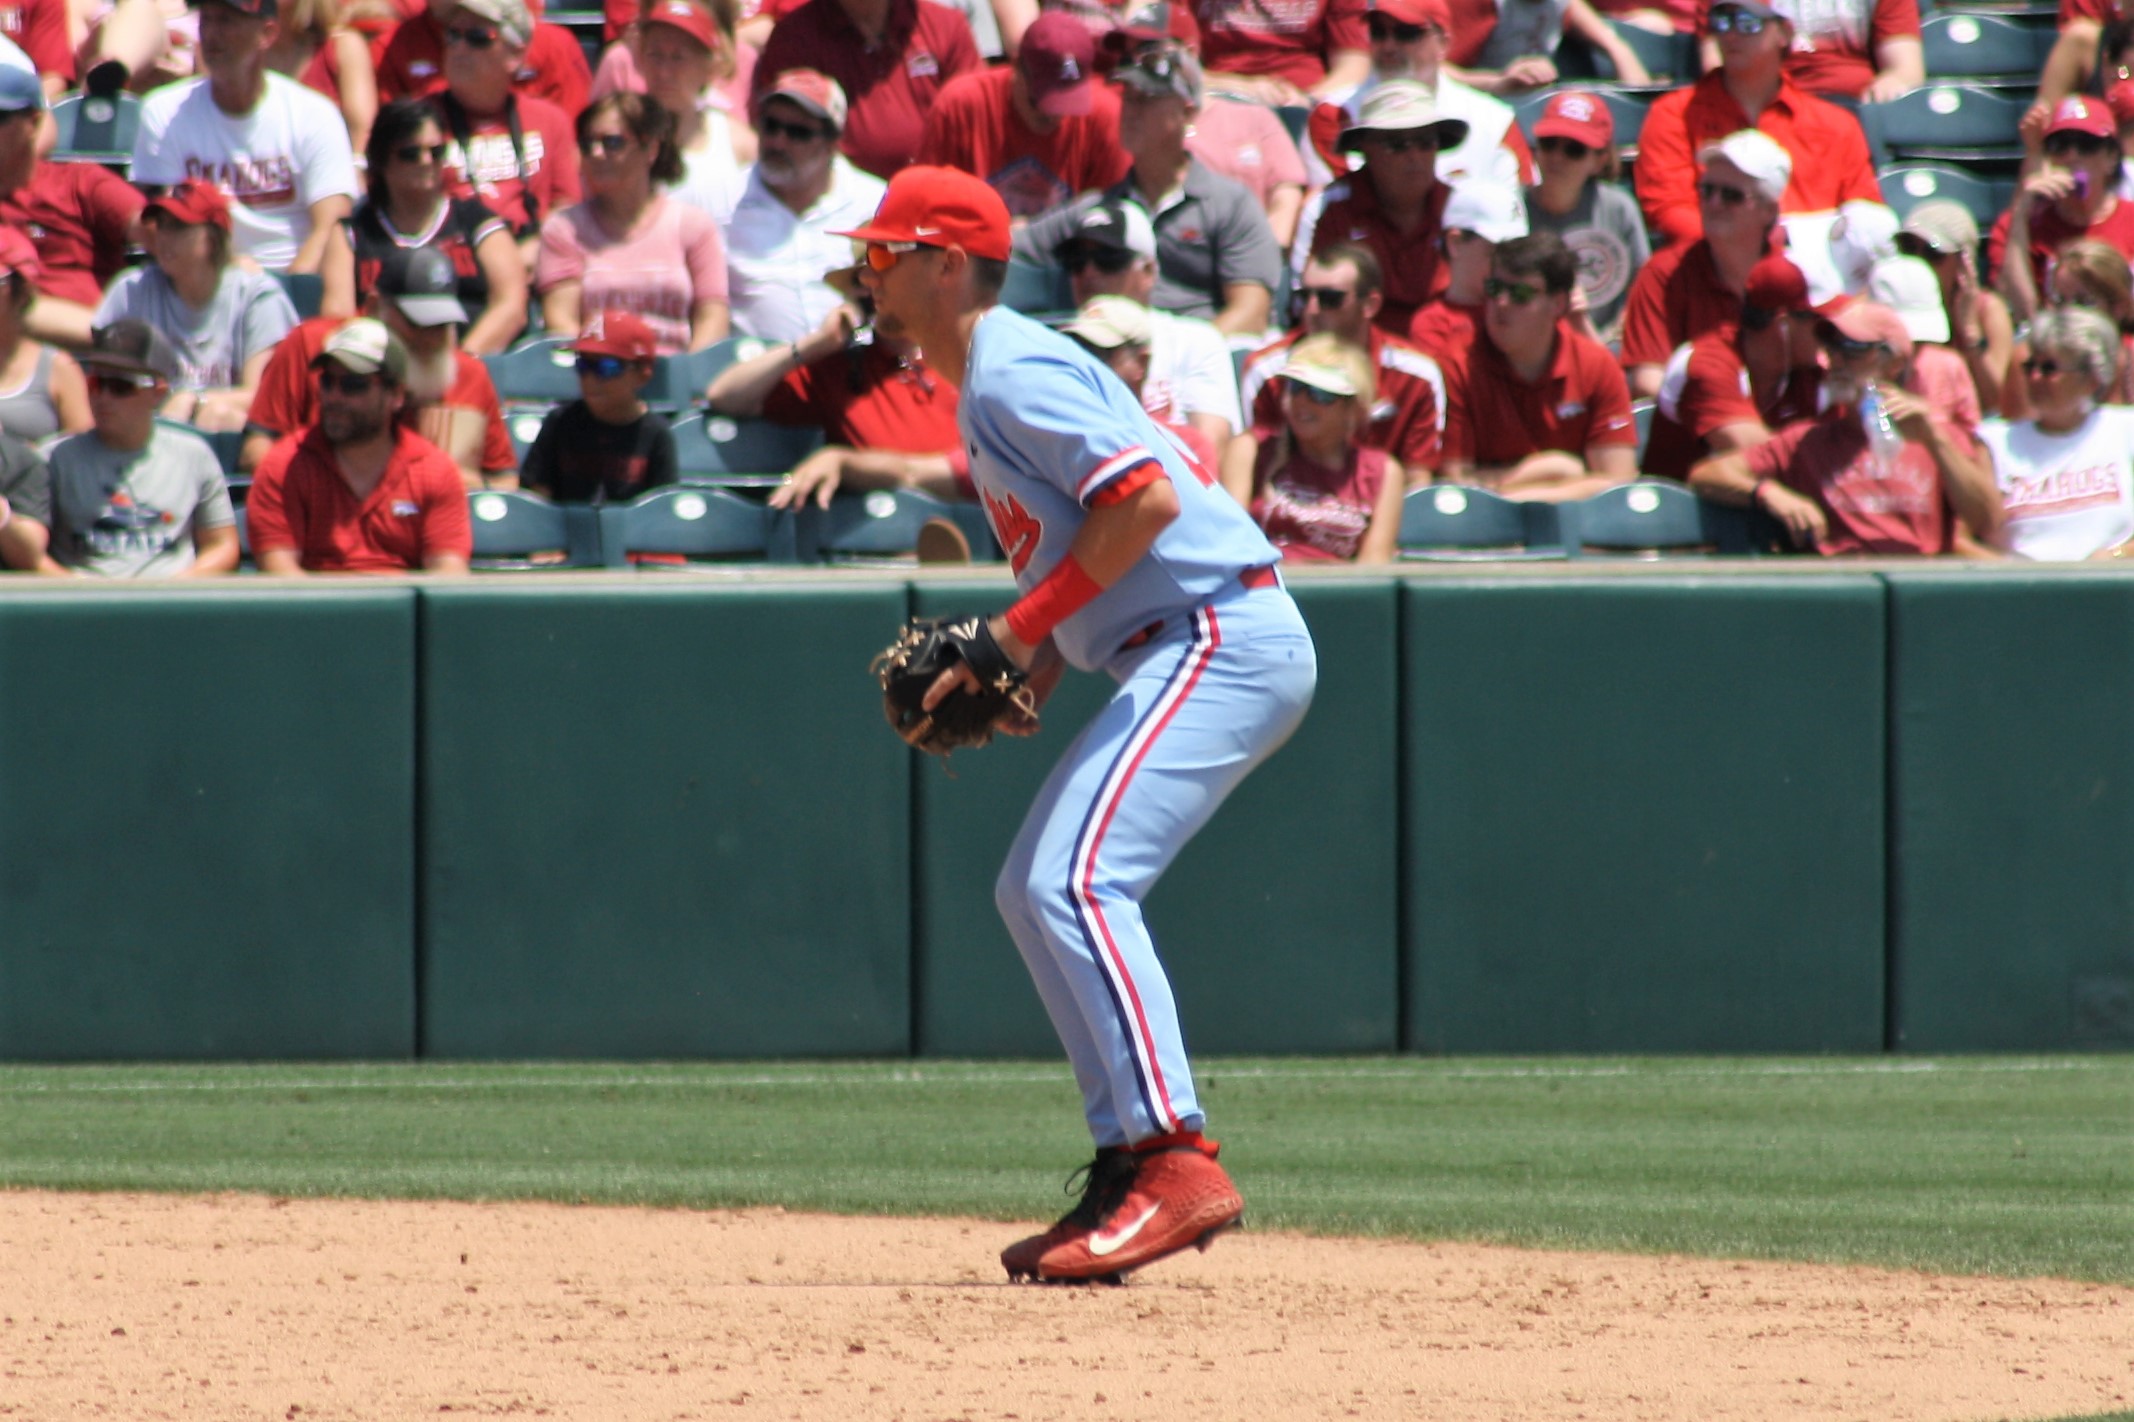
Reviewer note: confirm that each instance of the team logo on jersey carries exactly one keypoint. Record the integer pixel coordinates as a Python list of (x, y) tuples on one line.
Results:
[(405, 508), (1012, 524), (922, 65)]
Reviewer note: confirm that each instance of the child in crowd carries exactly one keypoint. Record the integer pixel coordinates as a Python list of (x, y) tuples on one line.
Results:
[(1580, 199), (607, 445)]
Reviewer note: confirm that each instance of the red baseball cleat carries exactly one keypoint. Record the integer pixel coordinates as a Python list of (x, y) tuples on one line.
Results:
[(1178, 1198), (1104, 1184)]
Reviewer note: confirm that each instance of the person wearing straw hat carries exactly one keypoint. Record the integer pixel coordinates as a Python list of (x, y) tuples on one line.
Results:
[(1393, 204)]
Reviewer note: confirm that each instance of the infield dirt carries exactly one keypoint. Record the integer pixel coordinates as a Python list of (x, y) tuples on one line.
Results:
[(145, 1307)]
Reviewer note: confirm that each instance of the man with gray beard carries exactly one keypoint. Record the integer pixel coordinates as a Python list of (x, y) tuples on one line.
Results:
[(449, 396), (799, 190)]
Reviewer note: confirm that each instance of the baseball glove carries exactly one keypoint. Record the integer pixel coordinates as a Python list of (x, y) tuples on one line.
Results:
[(929, 646)]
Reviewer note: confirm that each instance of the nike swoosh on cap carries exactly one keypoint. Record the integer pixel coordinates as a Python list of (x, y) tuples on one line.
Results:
[(926, 231), (1101, 1244)]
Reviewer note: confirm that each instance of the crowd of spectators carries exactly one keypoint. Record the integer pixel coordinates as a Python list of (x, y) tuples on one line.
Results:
[(1311, 238)]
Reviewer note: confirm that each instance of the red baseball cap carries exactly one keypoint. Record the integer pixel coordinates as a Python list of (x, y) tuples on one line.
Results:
[(1775, 284), (617, 333), (2077, 114), (940, 207), (1869, 321), (690, 19), (1415, 12), (1058, 60), (1579, 116), (18, 256), (2120, 100), (194, 201), (812, 90)]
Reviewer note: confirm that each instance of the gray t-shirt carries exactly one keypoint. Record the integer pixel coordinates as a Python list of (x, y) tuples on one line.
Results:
[(1606, 232), (132, 514), (24, 481), (248, 314)]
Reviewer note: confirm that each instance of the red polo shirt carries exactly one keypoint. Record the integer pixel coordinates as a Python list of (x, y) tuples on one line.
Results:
[(1714, 392), (1406, 419), (410, 60), (419, 508), (865, 398), (490, 170), (890, 85), (1676, 298), (1828, 460), (78, 215), (1290, 41), (1495, 419), (1414, 268), (974, 126), (2049, 232), (1445, 329), (1831, 164), (287, 397)]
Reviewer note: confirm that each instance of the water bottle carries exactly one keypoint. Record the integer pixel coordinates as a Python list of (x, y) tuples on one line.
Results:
[(1882, 438)]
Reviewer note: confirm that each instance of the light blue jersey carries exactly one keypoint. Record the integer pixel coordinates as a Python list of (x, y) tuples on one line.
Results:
[(1047, 427)]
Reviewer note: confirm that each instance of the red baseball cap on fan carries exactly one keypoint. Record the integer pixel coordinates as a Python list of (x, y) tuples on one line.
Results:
[(1578, 116), (194, 201), (1415, 12), (940, 207), (1775, 284), (2077, 114), (1058, 61), (687, 17), (617, 333)]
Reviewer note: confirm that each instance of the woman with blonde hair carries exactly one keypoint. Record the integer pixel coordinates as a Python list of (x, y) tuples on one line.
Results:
[(1313, 487)]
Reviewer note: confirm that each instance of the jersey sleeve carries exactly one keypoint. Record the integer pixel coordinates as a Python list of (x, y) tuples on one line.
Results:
[(446, 525), (269, 316), (1060, 429), (281, 404), (1609, 420)]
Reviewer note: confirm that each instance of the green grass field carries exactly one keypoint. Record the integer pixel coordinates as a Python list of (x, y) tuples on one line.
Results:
[(1967, 1165)]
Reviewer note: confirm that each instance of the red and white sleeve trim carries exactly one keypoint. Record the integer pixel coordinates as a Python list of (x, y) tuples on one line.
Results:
[(1111, 469)]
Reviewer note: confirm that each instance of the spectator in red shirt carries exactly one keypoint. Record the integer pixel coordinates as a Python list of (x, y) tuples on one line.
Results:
[(547, 62), (1537, 411), (359, 492), (1693, 287), (39, 28), (80, 216), (516, 152), (1039, 130), (891, 57), (1823, 479), (1864, 50), (1287, 54), (2068, 198), (1731, 387), (1478, 216), (1749, 89), (1341, 292), (1394, 203)]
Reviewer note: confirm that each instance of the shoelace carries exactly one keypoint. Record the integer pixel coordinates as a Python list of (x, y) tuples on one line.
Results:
[(1103, 1183)]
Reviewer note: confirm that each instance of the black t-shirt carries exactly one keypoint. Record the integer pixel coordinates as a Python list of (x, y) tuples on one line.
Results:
[(578, 459), (461, 228)]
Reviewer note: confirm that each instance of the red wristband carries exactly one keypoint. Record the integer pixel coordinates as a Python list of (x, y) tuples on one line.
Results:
[(1066, 590)]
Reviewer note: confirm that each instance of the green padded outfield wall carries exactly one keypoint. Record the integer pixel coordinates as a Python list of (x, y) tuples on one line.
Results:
[(205, 807), (662, 821), (1644, 814), (2012, 749), (1278, 924)]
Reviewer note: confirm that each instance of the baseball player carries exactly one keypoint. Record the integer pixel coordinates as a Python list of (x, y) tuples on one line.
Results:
[(1125, 563)]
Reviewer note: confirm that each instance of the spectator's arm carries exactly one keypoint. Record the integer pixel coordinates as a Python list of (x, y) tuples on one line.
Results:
[(1581, 19), (358, 82), (1381, 539), (1742, 434), (24, 545), (337, 274), (833, 467), (1013, 17), (214, 552), (1246, 306), (709, 321), (743, 388), (1345, 69), (2073, 59), (2018, 283), (326, 215), (1645, 381), (445, 565), (279, 562), (1729, 479), (504, 317), (1900, 65), (561, 305), (65, 324), (1284, 206), (1965, 467), (70, 394)]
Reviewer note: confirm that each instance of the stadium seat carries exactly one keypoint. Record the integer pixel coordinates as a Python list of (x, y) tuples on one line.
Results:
[(538, 372), (1297, 119), (1670, 59), (99, 130), (305, 291), (1963, 122), (1906, 185), (1986, 48), (1035, 289), (713, 449), (1652, 518), (693, 523), (1453, 523), (515, 531), (1641, 412), (681, 379), (881, 526), (1625, 107), (525, 428)]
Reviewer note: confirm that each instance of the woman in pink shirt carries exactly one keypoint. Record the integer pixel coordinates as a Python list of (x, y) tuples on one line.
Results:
[(627, 246)]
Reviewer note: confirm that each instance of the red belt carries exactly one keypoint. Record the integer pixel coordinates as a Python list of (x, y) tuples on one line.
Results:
[(1252, 579)]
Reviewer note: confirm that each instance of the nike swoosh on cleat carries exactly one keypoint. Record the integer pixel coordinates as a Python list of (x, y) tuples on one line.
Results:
[(1102, 1244)]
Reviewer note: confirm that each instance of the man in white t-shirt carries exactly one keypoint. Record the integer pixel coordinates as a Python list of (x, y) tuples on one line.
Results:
[(1191, 379), (1409, 39), (279, 150), (799, 190)]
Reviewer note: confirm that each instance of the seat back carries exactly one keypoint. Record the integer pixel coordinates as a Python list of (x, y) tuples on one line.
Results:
[(1960, 121), (715, 449), (1442, 521), (1978, 47), (96, 129), (1641, 412), (1906, 185), (681, 380), (1653, 518), (691, 523), (541, 371), (305, 291), (515, 530), (877, 526), (1669, 58)]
